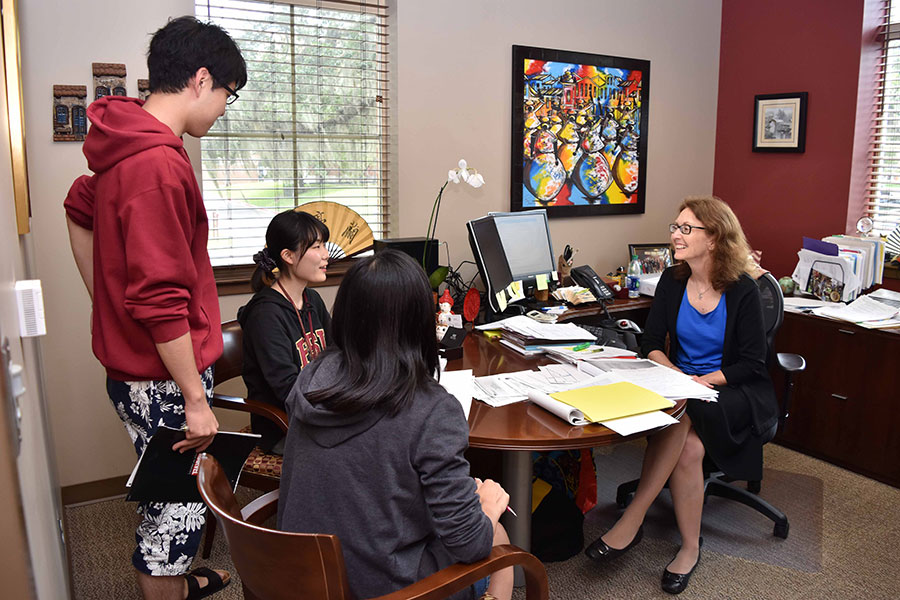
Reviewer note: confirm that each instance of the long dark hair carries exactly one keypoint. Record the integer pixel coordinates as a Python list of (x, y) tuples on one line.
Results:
[(292, 230), (383, 330)]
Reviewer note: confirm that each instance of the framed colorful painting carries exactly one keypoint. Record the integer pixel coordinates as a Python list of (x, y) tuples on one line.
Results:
[(579, 132)]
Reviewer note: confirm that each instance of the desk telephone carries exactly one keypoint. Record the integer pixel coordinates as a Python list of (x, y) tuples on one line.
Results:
[(586, 277)]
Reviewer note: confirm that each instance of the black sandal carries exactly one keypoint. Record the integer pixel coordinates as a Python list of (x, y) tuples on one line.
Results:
[(214, 583)]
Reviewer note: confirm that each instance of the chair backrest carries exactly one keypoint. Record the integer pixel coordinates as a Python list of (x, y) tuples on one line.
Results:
[(229, 364), (273, 565), (773, 309), (773, 316)]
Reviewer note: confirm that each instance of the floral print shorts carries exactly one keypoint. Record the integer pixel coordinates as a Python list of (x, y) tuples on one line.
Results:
[(169, 535)]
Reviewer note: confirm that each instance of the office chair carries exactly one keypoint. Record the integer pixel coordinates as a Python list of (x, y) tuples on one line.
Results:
[(717, 483), (278, 565), (262, 471)]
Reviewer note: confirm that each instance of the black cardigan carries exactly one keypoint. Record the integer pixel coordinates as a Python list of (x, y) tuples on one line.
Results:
[(744, 350)]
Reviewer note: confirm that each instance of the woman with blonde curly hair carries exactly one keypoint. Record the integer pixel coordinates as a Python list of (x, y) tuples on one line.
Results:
[(710, 309)]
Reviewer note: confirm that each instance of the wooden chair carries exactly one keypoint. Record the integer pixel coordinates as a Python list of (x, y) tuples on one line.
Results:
[(262, 471), (277, 565)]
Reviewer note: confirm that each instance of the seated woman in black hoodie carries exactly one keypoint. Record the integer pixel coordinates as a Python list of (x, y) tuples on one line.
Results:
[(285, 324)]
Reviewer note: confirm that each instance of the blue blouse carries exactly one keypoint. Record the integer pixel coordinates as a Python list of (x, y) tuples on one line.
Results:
[(700, 337)]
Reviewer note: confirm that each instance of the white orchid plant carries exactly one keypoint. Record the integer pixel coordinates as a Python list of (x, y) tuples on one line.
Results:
[(462, 173)]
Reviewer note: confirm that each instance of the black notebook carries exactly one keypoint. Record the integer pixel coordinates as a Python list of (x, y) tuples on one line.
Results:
[(166, 475)]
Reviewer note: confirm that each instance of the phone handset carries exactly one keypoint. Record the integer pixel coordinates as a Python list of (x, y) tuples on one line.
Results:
[(586, 277)]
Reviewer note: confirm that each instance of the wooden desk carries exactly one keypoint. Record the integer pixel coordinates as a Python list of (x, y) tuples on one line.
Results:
[(518, 429), (844, 407)]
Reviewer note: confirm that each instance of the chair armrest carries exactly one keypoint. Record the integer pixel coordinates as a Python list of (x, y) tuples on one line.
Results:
[(460, 576), (792, 363), (272, 413), (262, 508)]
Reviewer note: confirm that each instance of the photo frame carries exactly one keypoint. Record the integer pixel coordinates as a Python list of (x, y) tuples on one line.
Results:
[(779, 122), (579, 132), (15, 108), (654, 258)]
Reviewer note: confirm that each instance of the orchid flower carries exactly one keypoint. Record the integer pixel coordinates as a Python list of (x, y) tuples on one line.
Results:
[(462, 172)]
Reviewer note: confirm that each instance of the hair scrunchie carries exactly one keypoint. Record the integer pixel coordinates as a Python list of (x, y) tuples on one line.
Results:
[(264, 261)]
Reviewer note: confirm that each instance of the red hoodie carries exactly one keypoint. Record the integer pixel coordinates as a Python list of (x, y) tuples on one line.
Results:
[(152, 278)]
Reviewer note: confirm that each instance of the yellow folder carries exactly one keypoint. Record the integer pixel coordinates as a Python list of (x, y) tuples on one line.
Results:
[(606, 402)]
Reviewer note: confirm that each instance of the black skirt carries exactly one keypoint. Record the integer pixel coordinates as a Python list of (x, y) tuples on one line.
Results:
[(725, 428)]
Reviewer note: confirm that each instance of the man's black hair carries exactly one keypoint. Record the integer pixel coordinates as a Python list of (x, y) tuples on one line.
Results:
[(184, 45)]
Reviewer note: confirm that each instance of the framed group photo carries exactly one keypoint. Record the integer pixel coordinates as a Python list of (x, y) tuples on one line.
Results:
[(654, 258), (579, 132), (779, 122)]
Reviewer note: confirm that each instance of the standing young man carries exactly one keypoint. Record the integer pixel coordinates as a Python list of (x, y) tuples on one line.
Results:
[(138, 229)]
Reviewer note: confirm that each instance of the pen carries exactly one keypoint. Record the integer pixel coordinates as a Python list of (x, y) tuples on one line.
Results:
[(581, 347), (512, 511)]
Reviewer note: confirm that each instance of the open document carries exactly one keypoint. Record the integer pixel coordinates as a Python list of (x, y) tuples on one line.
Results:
[(664, 381)]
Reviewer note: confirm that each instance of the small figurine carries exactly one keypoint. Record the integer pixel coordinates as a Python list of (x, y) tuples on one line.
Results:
[(440, 330), (444, 303)]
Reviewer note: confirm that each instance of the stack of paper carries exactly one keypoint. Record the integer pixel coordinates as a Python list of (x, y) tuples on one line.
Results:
[(529, 336), (870, 252), (574, 294), (863, 311), (573, 354), (839, 267)]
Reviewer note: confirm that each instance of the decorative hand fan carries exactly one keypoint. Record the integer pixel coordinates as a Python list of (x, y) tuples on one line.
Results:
[(893, 242), (349, 233)]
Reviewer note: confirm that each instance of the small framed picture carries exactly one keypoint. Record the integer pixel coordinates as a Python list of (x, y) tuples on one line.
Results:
[(779, 122), (654, 258)]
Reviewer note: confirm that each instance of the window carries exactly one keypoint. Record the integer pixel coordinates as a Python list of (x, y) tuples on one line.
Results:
[(310, 125), (883, 202), (79, 122)]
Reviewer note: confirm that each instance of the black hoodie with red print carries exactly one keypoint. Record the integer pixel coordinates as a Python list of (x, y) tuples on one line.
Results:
[(277, 347)]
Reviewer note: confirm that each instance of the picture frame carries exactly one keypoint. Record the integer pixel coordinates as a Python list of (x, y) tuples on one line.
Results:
[(654, 258), (779, 122), (15, 108), (579, 132)]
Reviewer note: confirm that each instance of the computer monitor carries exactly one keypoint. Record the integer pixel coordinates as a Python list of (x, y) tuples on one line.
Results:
[(511, 247)]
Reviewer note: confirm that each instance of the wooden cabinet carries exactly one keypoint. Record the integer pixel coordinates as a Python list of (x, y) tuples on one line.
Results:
[(845, 405)]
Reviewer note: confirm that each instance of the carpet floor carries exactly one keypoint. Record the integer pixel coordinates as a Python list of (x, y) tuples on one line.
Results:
[(844, 537)]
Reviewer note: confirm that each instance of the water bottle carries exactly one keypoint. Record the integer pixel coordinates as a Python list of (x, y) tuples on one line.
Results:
[(633, 281)]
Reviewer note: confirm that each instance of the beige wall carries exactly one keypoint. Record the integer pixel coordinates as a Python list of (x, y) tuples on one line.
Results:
[(452, 101), (30, 489)]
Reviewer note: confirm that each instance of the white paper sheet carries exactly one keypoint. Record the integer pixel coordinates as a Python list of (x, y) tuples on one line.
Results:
[(460, 384), (636, 423)]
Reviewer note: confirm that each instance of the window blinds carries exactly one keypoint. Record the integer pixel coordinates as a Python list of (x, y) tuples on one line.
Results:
[(311, 123), (883, 202)]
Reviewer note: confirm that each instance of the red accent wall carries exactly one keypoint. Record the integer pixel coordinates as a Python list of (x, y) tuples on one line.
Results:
[(776, 46)]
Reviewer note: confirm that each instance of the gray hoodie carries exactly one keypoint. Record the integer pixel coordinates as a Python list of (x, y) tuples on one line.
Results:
[(396, 490)]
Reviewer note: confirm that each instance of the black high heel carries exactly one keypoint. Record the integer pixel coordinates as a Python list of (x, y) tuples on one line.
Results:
[(601, 552), (675, 583)]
